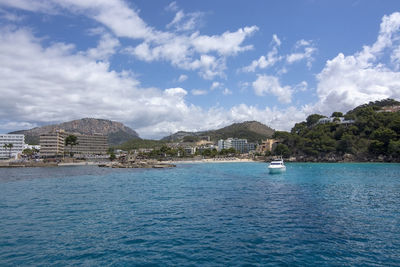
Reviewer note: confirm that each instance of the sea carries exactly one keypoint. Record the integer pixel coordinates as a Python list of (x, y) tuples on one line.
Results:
[(201, 214)]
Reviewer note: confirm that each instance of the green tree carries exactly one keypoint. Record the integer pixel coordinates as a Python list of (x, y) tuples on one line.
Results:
[(71, 141), (9, 147), (313, 119), (383, 135), (191, 139), (377, 147), (28, 152), (394, 148), (282, 150), (112, 156), (336, 114), (299, 128)]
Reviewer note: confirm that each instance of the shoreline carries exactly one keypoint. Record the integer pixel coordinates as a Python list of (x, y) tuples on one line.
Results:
[(233, 160), (191, 161)]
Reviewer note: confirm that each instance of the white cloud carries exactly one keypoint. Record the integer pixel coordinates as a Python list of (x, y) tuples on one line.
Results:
[(229, 43), (215, 85), (56, 83), (268, 61), (349, 81), (308, 50), (302, 86), (173, 6), (106, 47), (226, 91), (29, 5), (8, 126), (10, 16), (199, 92), (185, 22), (179, 92), (183, 50), (270, 85), (182, 78)]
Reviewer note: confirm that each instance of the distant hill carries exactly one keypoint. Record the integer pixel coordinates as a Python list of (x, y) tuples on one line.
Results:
[(371, 133), (116, 132), (251, 130)]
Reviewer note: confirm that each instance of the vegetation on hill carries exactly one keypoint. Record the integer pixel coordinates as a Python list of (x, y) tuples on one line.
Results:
[(141, 143), (372, 135), (253, 131)]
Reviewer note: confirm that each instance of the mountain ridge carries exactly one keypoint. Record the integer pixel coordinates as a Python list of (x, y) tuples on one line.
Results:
[(251, 130), (116, 132)]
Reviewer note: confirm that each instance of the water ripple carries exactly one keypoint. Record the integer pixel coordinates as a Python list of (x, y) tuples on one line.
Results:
[(201, 214)]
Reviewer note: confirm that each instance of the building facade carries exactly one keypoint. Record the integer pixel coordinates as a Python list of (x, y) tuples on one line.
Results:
[(11, 145), (89, 145), (53, 145), (267, 145), (239, 145)]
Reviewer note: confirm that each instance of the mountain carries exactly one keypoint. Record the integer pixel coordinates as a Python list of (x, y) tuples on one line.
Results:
[(117, 132), (251, 130)]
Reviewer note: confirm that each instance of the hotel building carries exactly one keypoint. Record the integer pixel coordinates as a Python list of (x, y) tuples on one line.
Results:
[(239, 145), (17, 141), (53, 145)]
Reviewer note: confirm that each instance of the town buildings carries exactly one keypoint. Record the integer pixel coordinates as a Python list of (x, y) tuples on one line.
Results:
[(11, 145), (267, 145), (239, 145), (339, 120), (53, 145)]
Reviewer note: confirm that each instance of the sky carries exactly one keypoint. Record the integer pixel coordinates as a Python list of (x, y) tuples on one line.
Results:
[(165, 66)]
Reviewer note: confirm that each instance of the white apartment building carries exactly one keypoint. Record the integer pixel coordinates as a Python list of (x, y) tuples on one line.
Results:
[(17, 141), (240, 145)]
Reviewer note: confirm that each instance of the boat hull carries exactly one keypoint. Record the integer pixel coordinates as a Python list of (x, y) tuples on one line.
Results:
[(277, 170)]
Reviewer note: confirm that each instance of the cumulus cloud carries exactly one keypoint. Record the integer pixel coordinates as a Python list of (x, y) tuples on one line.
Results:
[(199, 92), (266, 61), (348, 81), (185, 22), (182, 78), (215, 85), (226, 91), (266, 84), (105, 48), (304, 51), (58, 83), (202, 53)]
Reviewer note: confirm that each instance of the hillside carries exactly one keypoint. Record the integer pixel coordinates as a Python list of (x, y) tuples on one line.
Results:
[(373, 134), (117, 132), (253, 131)]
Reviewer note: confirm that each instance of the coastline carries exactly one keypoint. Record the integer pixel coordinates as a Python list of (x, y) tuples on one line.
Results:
[(224, 160)]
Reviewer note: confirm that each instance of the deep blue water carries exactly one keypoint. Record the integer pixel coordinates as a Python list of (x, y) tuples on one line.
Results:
[(201, 214)]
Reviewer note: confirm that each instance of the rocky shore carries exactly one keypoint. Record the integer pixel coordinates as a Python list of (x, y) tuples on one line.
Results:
[(141, 164)]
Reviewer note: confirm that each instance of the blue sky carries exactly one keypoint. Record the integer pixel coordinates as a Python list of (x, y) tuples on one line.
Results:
[(164, 66)]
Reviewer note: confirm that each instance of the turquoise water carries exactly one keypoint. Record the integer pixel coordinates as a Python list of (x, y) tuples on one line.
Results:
[(201, 214)]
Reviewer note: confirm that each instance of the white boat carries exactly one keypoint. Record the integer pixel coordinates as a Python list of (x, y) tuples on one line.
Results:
[(276, 166)]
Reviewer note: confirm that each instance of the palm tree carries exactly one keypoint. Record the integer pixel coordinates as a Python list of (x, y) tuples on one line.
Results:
[(5, 146), (71, 141), (8, 146)]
